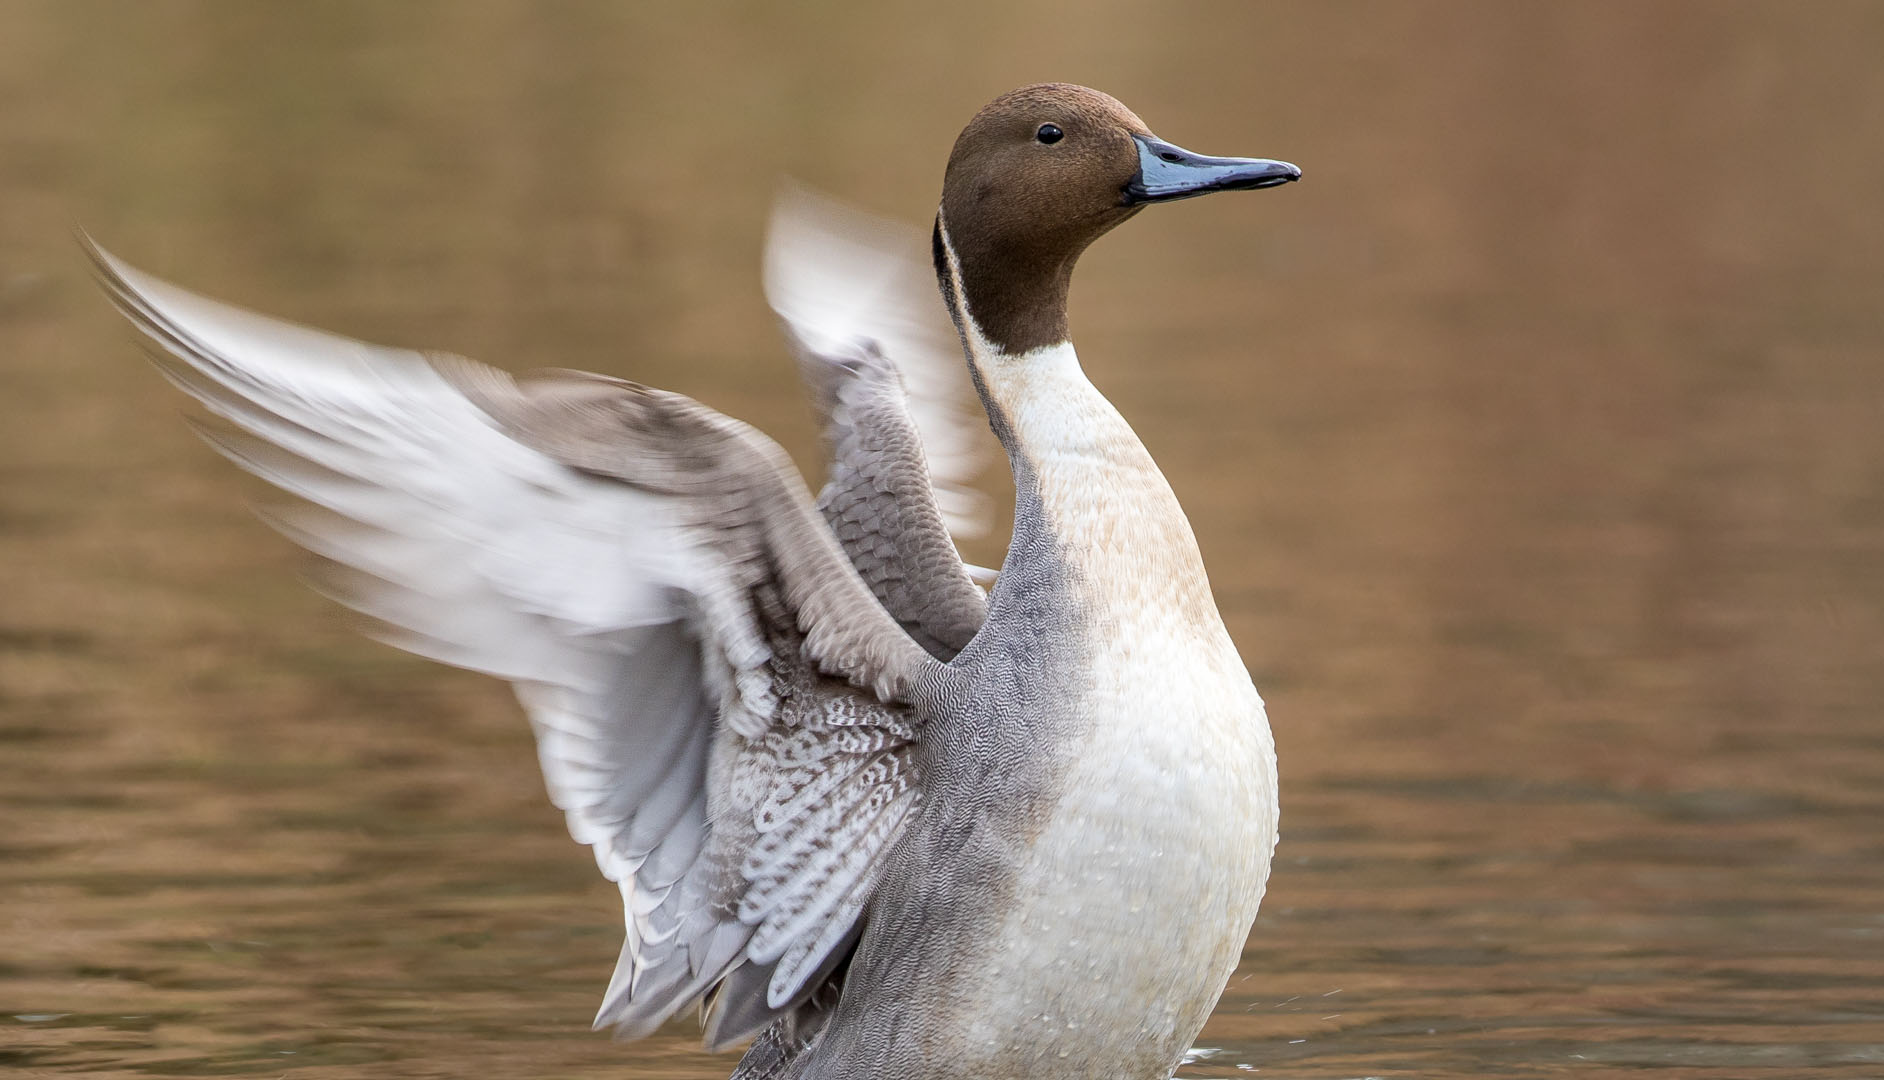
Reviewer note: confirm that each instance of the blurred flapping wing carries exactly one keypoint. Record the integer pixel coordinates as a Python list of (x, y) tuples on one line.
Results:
[(652, 578), (859, 304)]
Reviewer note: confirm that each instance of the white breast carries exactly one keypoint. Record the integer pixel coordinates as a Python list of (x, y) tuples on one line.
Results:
[(1138, 892)]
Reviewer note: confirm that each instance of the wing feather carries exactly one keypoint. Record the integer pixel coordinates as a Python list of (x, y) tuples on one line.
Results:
[(681, 628), (858, 300), (837, 276)]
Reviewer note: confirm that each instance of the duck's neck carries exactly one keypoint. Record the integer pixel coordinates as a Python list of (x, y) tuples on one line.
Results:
[(1039, 402), (1084, 482)]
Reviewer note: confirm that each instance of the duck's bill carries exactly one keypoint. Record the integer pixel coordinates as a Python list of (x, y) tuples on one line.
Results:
[(1167, 172)]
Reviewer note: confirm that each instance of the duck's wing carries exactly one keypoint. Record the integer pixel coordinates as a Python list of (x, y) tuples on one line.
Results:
[(652, 578), (874, 344)]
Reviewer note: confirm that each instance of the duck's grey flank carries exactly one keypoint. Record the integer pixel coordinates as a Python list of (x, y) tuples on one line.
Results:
[(886, 826)]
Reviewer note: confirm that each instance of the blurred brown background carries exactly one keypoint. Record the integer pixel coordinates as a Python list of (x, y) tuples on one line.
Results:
[(1535, 441)]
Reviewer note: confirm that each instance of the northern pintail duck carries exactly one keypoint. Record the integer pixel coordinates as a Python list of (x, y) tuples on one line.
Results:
[(886, 823)]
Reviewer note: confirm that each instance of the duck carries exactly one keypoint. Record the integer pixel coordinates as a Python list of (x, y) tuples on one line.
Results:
[(863, 814)]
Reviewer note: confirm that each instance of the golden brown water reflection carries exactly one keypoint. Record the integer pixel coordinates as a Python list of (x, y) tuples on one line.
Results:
[(1535, 440)]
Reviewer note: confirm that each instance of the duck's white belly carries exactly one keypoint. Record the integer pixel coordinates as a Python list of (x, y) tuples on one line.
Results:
[(1131, 909), (1131, 902)]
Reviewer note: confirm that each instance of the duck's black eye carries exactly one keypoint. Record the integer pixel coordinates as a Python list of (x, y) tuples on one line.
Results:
[(1049, 134)]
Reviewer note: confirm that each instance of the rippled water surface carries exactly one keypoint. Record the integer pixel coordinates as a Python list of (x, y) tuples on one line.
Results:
[(1535, 442)]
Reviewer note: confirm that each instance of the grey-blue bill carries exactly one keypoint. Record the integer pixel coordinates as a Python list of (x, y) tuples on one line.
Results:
[(1167, 172)]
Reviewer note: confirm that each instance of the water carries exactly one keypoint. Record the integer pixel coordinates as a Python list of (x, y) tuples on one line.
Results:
[(1533, 441)]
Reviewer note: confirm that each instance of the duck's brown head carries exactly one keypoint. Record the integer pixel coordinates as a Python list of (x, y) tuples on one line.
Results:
[(1037, 175)]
